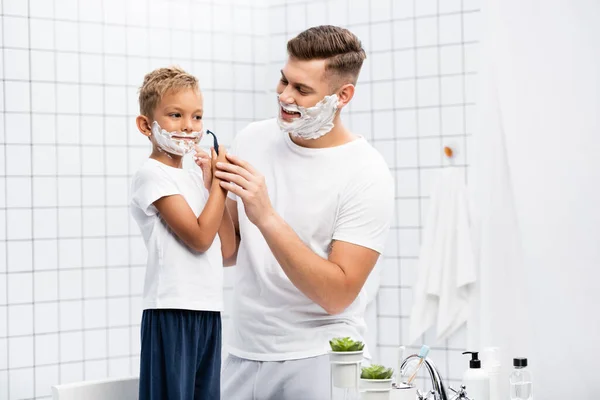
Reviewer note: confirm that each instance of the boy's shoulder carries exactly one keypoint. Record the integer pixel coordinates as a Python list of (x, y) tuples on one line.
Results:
[(148, 169), (152, 171)]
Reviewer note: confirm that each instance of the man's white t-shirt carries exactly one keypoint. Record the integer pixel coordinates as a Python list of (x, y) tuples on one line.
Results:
[(176, 276), (343, 193)]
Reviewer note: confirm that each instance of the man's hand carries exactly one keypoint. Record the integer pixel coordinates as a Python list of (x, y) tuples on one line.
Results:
[(240, 178)]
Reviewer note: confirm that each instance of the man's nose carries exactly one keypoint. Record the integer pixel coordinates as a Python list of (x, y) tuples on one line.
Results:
[(285, 98)]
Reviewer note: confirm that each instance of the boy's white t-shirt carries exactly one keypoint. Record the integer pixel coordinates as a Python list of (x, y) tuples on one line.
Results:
[(176, 276), (343, 193)]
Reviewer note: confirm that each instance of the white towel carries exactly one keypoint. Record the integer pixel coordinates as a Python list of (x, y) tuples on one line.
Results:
[(446, 272)]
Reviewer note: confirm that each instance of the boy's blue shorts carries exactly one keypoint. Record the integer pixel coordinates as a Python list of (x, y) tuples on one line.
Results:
[(181, 355)]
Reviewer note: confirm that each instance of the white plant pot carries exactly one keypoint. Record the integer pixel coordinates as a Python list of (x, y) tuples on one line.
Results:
[(376, 383), (403, 392), (375, 394), (345, 368)]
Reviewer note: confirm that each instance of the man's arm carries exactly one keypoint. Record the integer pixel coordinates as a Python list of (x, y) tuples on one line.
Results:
[(333, 283), (231, 206)]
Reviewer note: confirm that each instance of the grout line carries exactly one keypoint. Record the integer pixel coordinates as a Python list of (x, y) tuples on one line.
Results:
[(105, 181), (56, 179), (5, 244), (127, 162), (464, 89), (31, 190), (401, 339), (81, 200)]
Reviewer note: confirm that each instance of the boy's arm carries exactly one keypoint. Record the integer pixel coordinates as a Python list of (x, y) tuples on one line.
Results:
[(231, 206), (228, 236), (200, 233)]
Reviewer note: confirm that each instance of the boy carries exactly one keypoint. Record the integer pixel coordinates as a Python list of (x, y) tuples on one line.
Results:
[(188, 232)]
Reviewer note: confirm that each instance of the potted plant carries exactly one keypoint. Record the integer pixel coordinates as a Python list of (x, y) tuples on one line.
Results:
[(345, 356), (376, 382)]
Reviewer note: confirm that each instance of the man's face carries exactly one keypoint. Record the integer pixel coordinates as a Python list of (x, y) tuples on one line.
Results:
[(303, 83)]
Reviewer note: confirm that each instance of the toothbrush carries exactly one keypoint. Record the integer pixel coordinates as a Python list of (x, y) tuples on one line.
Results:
[(422, 355)]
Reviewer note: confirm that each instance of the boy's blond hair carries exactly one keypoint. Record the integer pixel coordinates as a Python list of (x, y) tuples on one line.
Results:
[(160, 81)]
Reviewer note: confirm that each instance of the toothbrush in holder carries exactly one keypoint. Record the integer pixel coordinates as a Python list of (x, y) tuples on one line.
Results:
[(422, 356)]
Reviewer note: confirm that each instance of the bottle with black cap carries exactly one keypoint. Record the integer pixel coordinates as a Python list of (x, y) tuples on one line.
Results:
[(476, 379), (521, 382)]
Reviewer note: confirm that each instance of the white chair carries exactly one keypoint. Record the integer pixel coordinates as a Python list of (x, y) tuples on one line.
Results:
[(106, 389)]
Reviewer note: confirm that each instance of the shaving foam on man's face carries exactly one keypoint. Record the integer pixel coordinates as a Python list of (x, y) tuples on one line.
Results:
[(308, 123), (178, 143)]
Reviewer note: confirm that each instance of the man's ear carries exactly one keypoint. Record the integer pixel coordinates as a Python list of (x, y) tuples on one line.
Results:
[(143, 125), (345, 94)]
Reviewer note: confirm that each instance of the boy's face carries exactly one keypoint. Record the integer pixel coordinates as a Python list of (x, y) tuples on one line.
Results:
[(303, 83), (180, 110)]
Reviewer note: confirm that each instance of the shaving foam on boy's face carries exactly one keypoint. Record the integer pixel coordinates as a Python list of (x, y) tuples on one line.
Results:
[(308, 123), (178, 143)]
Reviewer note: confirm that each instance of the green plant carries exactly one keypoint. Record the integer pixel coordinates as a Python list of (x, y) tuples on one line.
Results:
[(345, 344), (376, 371)]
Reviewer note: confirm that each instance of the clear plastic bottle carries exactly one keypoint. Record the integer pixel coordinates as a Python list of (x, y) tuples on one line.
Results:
[(521, 382)]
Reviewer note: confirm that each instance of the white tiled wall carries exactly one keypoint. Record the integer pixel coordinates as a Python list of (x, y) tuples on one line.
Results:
[(72, 261)]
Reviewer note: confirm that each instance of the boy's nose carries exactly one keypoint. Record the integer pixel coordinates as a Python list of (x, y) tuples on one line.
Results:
[(187, 126)]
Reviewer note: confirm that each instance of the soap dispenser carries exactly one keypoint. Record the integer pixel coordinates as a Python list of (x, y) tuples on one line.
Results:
[(476, 379)]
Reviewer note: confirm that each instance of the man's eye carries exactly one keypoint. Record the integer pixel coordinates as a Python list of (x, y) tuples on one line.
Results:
[(283, 81)]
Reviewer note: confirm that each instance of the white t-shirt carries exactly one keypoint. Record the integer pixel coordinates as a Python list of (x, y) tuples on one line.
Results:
[(176, 276), (341, 193)]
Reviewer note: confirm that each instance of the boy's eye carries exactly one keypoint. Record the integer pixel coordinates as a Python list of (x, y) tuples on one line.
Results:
[(175, 115), (198, 117)]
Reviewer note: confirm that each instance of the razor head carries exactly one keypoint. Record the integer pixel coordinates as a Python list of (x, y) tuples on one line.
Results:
[(215, 141)]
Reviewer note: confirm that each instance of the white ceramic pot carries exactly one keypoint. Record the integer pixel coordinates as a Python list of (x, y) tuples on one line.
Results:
[(375, 394), (403, 392), (345, 368), (375, 383)]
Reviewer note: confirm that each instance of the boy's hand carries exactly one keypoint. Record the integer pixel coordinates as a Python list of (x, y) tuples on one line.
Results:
[(203, 160), (222, 157)]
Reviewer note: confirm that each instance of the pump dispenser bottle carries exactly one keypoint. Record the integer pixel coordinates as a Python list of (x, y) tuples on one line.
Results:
[(476, 379)]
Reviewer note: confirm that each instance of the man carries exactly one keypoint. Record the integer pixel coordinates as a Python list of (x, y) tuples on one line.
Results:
[(312, 203)]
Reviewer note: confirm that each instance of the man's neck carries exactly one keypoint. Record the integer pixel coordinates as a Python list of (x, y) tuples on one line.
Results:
[(337, 136)]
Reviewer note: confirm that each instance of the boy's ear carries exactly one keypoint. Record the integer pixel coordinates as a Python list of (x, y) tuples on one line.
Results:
[(143, 124)]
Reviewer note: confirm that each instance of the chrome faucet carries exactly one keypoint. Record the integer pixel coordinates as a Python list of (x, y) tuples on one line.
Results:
[(439, 392)]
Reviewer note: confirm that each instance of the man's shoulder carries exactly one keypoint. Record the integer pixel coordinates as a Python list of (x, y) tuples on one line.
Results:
[(371, 159), (260, 130)]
